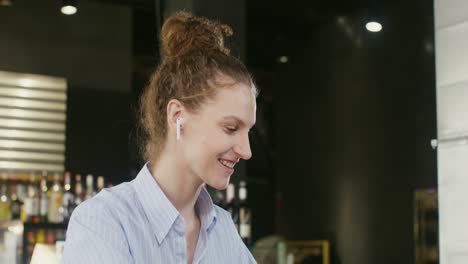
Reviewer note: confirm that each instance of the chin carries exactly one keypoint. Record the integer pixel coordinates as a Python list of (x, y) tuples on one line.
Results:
[(219, 184)]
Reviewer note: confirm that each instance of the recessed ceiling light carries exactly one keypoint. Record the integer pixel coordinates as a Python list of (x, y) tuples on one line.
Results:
[(283, 59), (373, 26), (69, 7)]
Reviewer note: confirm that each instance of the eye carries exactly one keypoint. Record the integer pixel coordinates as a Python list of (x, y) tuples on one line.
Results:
[(231, 129)]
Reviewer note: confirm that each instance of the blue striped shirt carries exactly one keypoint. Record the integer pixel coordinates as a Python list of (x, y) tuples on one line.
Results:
[(134, 222)]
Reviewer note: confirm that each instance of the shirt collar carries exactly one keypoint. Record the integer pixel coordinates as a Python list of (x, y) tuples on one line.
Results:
[(206, 210), (160, 211)]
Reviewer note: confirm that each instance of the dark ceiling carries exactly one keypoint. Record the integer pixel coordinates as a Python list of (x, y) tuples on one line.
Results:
[(137, 4), (270, 21), (274, 27)]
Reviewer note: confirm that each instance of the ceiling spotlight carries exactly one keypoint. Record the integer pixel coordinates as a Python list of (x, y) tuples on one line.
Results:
[(69, 7), (283, 59), (373, 26)]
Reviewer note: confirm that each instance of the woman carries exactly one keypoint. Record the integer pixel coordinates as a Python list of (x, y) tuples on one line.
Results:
[(196, 111)]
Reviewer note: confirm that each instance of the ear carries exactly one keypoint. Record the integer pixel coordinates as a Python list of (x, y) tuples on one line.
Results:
[(174, 109)]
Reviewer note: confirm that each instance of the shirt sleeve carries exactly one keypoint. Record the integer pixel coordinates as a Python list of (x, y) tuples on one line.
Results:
[(95, 236)]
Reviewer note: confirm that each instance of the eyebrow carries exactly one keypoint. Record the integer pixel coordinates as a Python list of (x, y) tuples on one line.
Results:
[(238, 120)]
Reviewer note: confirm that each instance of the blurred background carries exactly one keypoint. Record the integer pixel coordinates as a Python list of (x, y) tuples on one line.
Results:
[(343, 170)]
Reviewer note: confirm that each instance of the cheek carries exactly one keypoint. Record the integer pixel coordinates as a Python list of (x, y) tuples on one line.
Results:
[(219, 144), (204, 147), (215, 140)]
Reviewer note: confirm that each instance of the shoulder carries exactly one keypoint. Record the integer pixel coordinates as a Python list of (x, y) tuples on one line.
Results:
[(220, 211), (109, 204), (95, 233), (101, 218), (224, 218)]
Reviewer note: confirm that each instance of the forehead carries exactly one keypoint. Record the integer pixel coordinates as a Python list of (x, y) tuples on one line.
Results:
[(236, 100)]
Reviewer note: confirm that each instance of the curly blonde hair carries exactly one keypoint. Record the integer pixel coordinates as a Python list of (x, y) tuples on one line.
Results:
[(194, 54)]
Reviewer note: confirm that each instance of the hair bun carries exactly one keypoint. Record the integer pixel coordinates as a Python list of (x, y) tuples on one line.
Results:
[(183, 34)]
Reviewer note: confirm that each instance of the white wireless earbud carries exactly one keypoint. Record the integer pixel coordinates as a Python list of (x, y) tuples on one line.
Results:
[(178, 125)]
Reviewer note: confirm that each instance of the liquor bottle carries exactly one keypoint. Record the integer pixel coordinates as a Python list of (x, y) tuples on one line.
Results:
[(245, 216), (40, 236), (232, 205), (49, 237), (55, 206), (44, 204), (89, 187), (15, 203), (100, 183), (5, 212), (21, 194), (79, 195), (60, 234), (68, 197), (30, 242), (31, 202)]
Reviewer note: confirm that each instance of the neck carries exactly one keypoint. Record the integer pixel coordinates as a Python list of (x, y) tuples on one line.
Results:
[(180, 187)]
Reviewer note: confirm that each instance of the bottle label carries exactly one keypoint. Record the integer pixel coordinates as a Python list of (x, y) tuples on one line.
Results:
[(243, 193), (28, 206), (244, 219), (34, 206), (244, 230), (55, 216), (44, 206), (15, 208), (5, 214)]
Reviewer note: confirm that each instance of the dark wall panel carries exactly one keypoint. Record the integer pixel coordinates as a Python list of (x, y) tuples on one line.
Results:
[(354, 115)]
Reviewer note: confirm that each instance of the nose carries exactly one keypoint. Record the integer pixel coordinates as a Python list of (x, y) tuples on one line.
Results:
[(242, 148)]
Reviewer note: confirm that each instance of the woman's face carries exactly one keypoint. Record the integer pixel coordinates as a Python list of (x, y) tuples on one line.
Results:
[(216, 137)]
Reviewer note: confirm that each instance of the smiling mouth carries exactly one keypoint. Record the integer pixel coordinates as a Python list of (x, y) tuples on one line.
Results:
[(227, 164)]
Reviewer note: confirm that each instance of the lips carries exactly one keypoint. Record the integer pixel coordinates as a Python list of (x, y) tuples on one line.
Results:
[(227, 163)]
